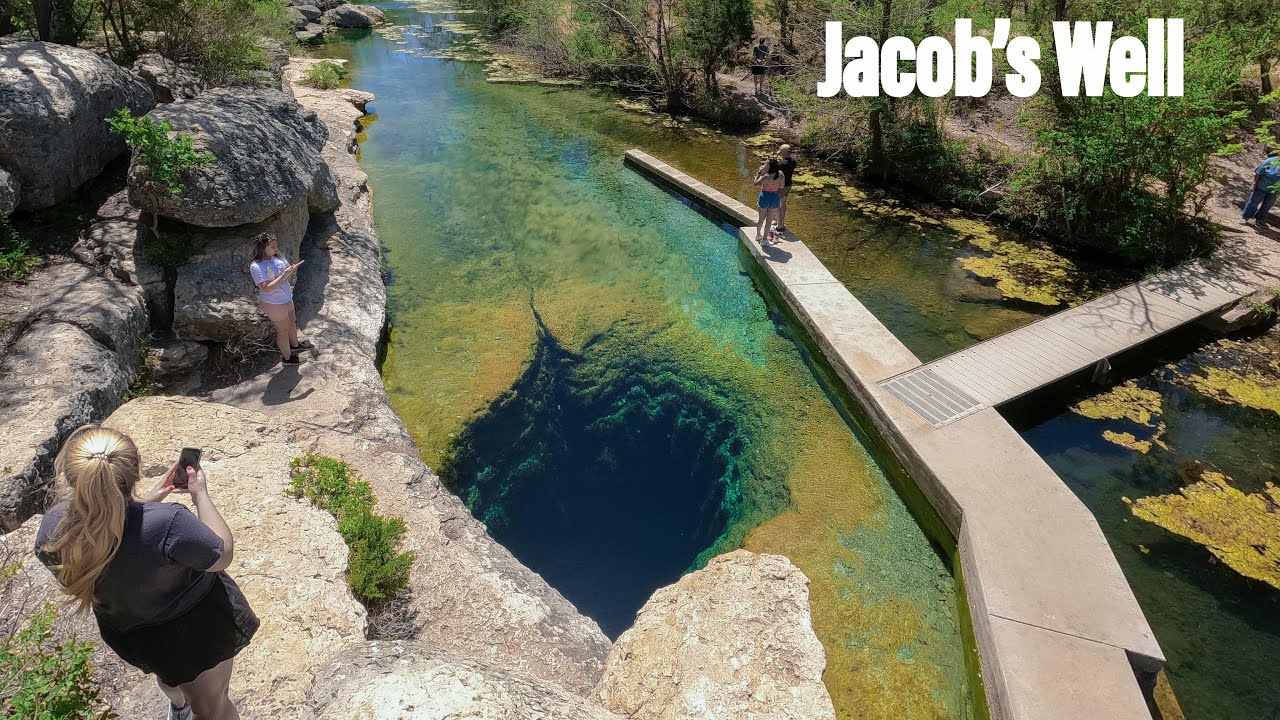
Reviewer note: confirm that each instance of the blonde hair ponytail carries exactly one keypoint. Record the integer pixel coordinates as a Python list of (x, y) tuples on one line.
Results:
[(99, 468)]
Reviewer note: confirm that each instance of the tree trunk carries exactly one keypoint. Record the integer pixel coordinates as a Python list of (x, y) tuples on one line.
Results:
[(1264, 66), (875, 150), (44, 18)]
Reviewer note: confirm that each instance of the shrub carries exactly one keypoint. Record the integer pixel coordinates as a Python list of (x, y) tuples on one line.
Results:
[(324, 75), (167, 158), (220, 36), (169, 251), (16, 259), (44, 680), (376, 571)]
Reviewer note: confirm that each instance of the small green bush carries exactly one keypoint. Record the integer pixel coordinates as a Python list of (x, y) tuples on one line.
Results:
[(376, 571), (170, 250), (43, 680), (167, 158), (16, 259), (324, 75)]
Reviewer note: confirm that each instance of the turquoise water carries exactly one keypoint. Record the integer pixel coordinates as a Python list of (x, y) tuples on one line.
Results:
[(586, 361)]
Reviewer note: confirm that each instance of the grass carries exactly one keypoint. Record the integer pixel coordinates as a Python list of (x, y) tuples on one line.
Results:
[(16, 258), (376, 571), (324, 75)]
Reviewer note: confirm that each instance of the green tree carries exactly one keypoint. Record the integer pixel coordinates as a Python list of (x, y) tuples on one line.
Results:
[(715, 31)]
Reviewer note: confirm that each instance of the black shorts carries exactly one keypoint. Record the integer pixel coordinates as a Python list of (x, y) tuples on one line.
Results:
[(214, 630), (757, 69)]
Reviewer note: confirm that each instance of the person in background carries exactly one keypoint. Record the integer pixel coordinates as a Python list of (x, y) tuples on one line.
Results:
[(151, 572), (771, 180), (271, 273), (759, 64), (788, 166), (1262, 195)]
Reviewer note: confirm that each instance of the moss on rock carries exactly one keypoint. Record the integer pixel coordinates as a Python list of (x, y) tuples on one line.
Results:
[(1242, 529)]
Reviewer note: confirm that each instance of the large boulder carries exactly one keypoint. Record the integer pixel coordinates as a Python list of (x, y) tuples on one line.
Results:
[(311, 34), (117, 241), (389, 681), (290, 561), (310, 12), (71, 364), (733, 640), (169, 80), (267, 159), (54, 104), (214, 298), (354, 16), (10, 192)]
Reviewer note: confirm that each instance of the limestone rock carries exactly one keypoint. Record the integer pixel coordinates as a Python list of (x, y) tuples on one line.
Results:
[(290, 561), (296, 19), (732, 640), (71, 365), (355, 16), (54, 102), (310, 12), (267, 151), (177, 363), (388, 681), (326, 5), (10, 192), (169, 80), (311, 34), (214, 297), (117, 241)]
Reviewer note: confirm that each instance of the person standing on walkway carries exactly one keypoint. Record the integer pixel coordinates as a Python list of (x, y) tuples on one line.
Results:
[(759, 64), (271, 273), (1262, 195), (788, 166), (151, 572), (771, 181)]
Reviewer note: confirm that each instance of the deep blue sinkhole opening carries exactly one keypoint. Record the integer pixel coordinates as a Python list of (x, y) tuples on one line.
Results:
[(607, 481)]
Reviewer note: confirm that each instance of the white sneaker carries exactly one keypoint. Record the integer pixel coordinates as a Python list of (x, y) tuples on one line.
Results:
[(183, 714)]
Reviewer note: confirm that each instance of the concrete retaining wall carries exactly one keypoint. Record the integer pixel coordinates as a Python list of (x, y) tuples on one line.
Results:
[(1059, 632)]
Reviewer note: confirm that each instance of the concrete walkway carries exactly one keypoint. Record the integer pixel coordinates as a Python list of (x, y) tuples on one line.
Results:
[(1046, 351), (1060, 635)]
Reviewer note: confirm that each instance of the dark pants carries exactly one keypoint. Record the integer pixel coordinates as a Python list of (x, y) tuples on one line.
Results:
[(1258, 204)]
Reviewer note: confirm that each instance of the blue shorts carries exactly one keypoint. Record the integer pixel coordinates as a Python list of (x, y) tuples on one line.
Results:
[(768, 200)]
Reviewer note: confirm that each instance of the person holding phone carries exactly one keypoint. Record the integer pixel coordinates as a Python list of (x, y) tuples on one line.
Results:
[(271, 273), (151, 572)]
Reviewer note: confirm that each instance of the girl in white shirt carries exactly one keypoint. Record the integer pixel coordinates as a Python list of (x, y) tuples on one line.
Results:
[(271, 273)]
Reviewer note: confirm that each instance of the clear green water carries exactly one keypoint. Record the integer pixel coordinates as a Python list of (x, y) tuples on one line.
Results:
[(587, 362), (1220, 631)]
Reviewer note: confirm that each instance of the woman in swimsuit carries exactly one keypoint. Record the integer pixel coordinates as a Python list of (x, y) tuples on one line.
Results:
[(771, 180)]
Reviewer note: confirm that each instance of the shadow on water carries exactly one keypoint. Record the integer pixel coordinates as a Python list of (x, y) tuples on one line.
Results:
[(609, 485)]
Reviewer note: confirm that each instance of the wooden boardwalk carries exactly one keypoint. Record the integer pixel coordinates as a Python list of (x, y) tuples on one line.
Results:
[(1048, 350)]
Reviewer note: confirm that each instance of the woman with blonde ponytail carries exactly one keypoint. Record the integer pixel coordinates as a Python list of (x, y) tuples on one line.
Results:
[(151, 572)]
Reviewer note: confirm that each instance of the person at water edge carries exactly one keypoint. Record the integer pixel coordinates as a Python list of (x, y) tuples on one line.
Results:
[(1262, 195), (151, 571), (771, 181), (271, 273), (759, 63), (788, 166)]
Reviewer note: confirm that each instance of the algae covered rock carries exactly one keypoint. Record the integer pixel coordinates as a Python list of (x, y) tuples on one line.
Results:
[(1242, 529), (732, 640), (54, 105), (267, 151), (389, 681)]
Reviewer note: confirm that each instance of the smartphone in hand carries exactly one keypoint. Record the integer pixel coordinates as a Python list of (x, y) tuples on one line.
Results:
[(190, 457)]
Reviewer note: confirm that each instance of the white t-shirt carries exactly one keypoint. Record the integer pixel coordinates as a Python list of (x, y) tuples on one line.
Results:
[(266, 271)]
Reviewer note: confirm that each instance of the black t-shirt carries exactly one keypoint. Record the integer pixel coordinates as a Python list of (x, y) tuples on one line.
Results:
[(159, 572), (788, 166)]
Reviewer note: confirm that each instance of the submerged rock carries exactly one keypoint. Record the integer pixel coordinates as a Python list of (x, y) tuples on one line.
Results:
[(169, 80), (267, 159), (732, 640), (54, 103), (72, 364), (386, 681), (1242, 529)]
